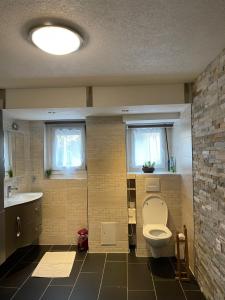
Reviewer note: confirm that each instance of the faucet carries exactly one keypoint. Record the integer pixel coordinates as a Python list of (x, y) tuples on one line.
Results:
[(10, 189)]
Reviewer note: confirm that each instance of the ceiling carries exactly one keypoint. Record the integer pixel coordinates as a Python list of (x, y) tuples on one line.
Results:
[(126, 41)]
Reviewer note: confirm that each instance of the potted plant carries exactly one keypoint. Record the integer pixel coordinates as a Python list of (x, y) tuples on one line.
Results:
[(48, 173), (10, 173), (148, 167)]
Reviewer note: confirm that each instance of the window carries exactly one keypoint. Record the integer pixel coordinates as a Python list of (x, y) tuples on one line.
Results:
[(146, 144), (65, 147)]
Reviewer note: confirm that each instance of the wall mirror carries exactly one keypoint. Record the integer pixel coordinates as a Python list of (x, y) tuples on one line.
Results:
[(14, 153)]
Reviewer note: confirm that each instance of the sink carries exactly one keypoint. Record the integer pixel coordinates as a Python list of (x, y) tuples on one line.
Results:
[(20, 198)]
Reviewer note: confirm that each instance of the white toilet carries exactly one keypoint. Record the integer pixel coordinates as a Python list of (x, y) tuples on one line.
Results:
[(155, 231)]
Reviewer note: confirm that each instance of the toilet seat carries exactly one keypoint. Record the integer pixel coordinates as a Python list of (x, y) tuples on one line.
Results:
[(156, 231)]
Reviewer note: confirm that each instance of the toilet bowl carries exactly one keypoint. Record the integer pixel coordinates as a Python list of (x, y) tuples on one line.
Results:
[(155, 231)]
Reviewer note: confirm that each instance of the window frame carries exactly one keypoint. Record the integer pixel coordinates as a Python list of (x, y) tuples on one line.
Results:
[(49, 138), (130, 150)]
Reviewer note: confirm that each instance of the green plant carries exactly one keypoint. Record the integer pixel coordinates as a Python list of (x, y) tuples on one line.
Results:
[(10, 173), (48, 173), (149, 164)]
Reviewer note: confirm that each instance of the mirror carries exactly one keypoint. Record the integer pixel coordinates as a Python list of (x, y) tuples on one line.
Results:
[(15, 153)]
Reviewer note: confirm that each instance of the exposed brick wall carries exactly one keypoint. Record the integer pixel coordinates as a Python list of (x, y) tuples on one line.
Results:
[(209, 178)]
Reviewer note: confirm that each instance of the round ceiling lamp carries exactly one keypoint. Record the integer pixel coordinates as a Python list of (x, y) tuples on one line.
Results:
[(56, 40)]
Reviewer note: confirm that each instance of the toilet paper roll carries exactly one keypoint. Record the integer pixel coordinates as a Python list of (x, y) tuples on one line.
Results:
[(181, 236)]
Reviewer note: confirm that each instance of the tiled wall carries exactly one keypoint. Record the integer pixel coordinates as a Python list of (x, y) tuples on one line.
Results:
[(23, 181), (107, 198), (170, 193), (64, 204), (182, 151), (209, 178)]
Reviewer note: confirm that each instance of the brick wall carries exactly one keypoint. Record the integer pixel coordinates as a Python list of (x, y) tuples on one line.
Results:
[(209, 178)]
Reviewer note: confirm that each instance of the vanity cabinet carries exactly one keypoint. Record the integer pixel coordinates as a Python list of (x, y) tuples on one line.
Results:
[(22, 225)]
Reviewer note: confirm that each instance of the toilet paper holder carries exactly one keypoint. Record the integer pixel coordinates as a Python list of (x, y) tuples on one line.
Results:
[(182, 258)]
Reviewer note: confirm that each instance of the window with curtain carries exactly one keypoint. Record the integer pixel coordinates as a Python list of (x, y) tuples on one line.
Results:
[(146, 144), (65, 151)]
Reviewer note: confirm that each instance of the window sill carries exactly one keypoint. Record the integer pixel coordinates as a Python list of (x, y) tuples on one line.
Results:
[(78, 175)]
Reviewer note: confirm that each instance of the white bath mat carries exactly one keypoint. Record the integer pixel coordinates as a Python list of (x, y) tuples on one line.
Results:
[(55, 264)]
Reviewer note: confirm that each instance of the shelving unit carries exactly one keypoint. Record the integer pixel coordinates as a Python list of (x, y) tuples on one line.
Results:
[(131, 204)]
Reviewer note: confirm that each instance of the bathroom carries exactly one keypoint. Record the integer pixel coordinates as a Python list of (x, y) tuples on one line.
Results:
[(107, 186)]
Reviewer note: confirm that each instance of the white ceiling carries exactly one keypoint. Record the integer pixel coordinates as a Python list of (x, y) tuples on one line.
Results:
[(127, 41), (166, 111)]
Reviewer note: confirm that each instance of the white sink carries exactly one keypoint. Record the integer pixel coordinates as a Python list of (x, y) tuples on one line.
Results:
[(20, 198)]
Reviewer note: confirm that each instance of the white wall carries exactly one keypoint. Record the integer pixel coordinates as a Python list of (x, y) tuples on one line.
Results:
[(138, 95), (46, 98), (182, 151), (107, 96)]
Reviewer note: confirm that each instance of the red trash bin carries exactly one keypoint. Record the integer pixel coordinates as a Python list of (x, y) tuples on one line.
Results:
[(82, 241)]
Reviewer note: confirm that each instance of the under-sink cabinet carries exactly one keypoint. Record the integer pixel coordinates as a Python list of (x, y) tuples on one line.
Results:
[(22, 225)]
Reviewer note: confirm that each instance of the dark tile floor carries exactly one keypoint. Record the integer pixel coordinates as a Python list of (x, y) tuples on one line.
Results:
[(94, 277)]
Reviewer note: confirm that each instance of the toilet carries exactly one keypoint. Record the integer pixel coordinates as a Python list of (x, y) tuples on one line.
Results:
[(155, 231)]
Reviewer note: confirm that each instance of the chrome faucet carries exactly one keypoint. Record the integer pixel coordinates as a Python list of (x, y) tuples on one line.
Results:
[(10, 189)]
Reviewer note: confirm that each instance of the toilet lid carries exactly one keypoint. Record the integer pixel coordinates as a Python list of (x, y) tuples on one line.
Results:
[(155, 211)]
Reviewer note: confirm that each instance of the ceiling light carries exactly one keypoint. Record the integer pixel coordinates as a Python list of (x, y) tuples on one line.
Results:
[(56, 40)]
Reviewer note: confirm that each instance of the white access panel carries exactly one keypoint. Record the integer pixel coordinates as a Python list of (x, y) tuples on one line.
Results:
[(152, 185), (108, 233)]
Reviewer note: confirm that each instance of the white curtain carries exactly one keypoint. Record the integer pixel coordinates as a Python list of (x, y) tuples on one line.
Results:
[(146, 144), (66, 147)]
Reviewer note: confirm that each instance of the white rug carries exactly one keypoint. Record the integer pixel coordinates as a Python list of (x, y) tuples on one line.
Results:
[(55, 264)]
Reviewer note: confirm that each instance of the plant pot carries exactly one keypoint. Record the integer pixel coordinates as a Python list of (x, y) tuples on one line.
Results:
[(148, 170)]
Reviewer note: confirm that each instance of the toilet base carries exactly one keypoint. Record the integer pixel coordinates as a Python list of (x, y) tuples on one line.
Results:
[(156, 252), (159, 250)]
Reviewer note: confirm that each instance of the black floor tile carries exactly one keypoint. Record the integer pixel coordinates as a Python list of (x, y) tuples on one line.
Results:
[(113, 292), (161, 268), (139, 277), (94, 262), (57, 293), (116, 257), (194, 295), (133, 259), (115, 274), (36, 253), (79, 255), (169, 290), (16, 257), (141, 295), (72, 278), (191, 285), (32, 289), (18, 275), (60, 248), (87, 287), (6, 293)]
